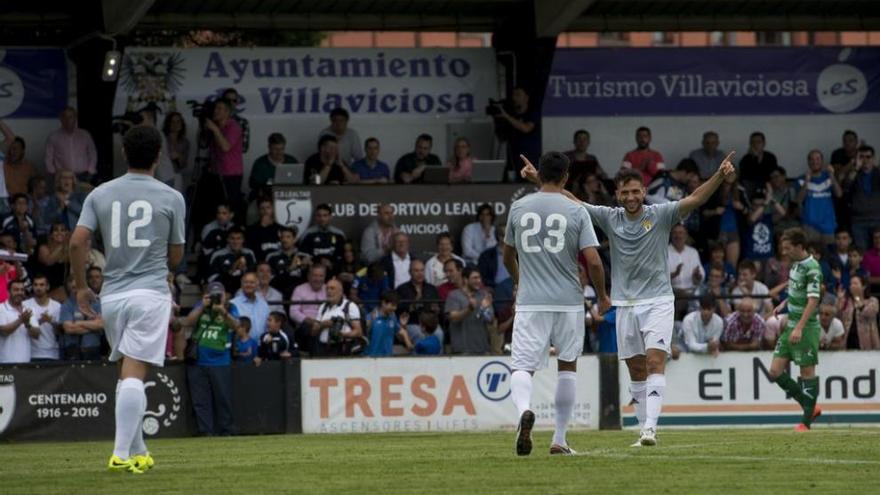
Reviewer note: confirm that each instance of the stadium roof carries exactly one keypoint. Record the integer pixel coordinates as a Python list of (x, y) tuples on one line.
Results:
[(41, 21)]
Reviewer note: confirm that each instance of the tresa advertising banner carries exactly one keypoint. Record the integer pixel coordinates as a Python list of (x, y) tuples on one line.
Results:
[(734, 389), (438, 394), (78, 403), (421, 211), (713, 81), (285, 82), (33, 82)]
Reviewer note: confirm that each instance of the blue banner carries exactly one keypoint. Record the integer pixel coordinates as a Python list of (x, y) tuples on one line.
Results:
[(33, 82), (713, 81)]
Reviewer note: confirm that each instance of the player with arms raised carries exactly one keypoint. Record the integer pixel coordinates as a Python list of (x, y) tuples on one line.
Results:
[(545, 232), (799, 341), (640, 282), (141, 221)]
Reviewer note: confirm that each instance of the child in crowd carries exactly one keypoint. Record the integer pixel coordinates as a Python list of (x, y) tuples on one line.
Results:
[(246, 347), (275, 345), (383, 324), (431, 344)]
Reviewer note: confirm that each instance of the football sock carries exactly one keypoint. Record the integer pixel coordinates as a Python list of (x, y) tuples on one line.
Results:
[(138, 447), (810, 391), (130, 406), (654, 388), (786, 383), (521, 391), (637, 390), (566, 389)]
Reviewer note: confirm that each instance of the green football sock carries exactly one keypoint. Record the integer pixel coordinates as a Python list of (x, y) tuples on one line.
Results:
[(810, 392), (791, 387)]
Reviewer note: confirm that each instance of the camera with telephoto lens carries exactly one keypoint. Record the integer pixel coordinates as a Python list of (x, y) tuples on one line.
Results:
[(337, 323), (493, 109), (216, 299), (122, 123), (202, 110)]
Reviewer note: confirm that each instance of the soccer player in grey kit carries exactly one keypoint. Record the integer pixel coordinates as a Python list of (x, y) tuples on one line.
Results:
[(545, 232), (141, 221), (638, 235)]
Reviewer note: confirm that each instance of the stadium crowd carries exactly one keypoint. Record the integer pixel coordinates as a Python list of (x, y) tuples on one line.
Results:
[(374, 296)]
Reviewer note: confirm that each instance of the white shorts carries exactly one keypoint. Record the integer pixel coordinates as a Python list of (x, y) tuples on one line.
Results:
[(644, 326), (136, 324), (535, 331)]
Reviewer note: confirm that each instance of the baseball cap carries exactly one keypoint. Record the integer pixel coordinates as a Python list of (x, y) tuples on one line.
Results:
[(216, 288)]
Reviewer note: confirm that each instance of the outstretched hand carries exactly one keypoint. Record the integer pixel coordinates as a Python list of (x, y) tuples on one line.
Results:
[(528, 172), (727, 169)]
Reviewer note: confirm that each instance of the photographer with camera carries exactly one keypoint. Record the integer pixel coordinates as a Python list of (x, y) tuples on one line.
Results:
[(518, 125), (337, 330), (227, 156), (209, 354)]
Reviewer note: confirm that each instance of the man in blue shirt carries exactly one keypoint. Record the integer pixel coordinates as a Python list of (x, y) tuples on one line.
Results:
[(250, 304), (816, 189), (369, 169), (82, 334), (383, 325)]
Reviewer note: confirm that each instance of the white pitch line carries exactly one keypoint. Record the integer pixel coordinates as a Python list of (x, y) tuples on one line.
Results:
[(714, 457)]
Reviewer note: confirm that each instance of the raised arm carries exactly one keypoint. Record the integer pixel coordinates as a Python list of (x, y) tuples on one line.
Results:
[(707, 189)]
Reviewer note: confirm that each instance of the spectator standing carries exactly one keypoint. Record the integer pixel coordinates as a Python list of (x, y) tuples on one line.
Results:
[(71, 148), (470, 314), (520, 123), (325, 166), (369, 286), (383, 325), (863, 188), (817, 188), (82, 333), (858, 310), (582, 163), (8, 273), (461, 165), (377, 239), (871, 261), (264, 236), (265, 291), (479, 235), (275, 345), (703, 328), (371, 170), (716, 288), (16, 331), (688, 272), (338, 331), (64, 206), (755, 168), (743, 329), (493, 271), (846, 155), (263, 170), (17, 169), (233, 261), (845, 160), (303, 316), (411, 166), (413, 292), (397, 263), (227, 153), (436, 266), (213, 237), (674, 185), (349, 141), (758, 245), (46, 317), (20, 225), (249, 303), (231, 95), (289, 266), (643, 158), (707, 158), (833, 334), (781, 202), (178, 147), (210, 377), (322, 241)]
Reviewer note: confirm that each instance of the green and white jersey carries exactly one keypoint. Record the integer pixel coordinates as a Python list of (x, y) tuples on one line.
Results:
[(804, 282)]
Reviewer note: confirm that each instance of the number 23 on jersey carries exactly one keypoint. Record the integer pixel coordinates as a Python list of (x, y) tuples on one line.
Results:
[(555, 240)]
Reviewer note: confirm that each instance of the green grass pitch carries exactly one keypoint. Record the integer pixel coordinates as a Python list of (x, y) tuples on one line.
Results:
[(826, 460)]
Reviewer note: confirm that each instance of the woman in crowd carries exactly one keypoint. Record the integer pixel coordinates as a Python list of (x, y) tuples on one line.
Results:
[(53, 260), (461, 165), (64, 206), (174, 129), (858, 311)]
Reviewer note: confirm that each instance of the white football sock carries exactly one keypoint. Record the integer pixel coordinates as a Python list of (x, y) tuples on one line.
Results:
[(521, 391), (130, 406), (637, 390), (566, 389), (138, 447), (656, 384)]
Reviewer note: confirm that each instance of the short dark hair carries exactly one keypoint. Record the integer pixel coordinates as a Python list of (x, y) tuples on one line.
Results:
[(709, 133), (245, 320), (370, 140), (339, 112), (796, 236), (223, 204), (15, 197), (850, 132), (855, 249), (707, 301), (643, 128), (39, 276), (279, 317), (20, 140), (747, 265), (841, 230), (142, 145), (862, 149), (781, 170), (13, 282), (468, 270), (553, 167), (287, 228), (689, 166), (758, 134), (457, 262), (94, 268), (325, 139), (425, 137), (443, 235), (486, 207), (276, 138), (389, 296), (627, 174), (429, 321), (715, 246), (235, 229), (324, 207), (579, 132)]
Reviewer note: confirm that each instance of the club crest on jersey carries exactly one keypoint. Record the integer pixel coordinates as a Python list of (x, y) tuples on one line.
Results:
[(647, 225)]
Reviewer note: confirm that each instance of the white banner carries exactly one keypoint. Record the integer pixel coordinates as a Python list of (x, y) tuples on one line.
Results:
[(733, 389), (432, 394)]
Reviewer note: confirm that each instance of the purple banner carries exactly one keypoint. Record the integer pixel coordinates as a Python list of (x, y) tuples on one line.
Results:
[(713, 81), (33, 82)]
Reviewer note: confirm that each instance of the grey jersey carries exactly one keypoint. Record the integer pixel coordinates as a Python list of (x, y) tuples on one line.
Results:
[(138, 218), (548, 231), (639, 264)]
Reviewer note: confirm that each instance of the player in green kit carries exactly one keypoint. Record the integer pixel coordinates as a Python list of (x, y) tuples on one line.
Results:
[(799, 341)]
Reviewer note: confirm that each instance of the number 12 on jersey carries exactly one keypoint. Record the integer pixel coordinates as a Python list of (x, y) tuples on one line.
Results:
[(139, 214), (556, 225)]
